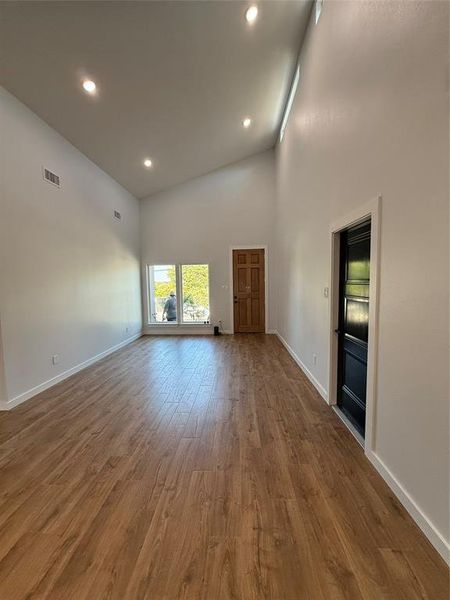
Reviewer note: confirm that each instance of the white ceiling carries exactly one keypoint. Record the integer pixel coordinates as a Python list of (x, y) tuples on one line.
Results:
[(174, 79)]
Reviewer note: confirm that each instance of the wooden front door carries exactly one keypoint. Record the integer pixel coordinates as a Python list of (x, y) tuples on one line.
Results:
[(249, 291), (353, 329)]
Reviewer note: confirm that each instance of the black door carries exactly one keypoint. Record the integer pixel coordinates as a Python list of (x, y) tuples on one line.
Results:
[(353, 328)]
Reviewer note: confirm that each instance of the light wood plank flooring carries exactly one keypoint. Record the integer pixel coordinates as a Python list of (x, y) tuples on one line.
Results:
[(198, 468)]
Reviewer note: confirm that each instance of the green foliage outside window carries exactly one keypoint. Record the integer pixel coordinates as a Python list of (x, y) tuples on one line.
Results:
[(163, 288), (195, 285)]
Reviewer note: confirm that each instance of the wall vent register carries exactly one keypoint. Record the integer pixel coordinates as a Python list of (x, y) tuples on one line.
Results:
[(51, 177)]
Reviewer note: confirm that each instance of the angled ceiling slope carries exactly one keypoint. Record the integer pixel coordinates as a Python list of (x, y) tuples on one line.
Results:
[(174, 79)]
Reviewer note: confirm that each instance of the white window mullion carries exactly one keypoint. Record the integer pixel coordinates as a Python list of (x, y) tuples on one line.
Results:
[(150, 287), (179, 293)]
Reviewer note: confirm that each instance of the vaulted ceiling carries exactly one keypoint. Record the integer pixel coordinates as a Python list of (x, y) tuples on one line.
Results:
[(174, 79)]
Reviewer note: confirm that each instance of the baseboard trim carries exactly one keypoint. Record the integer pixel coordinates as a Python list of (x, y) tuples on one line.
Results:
[(322, 391), (54, 380), (419, 517), (170, 330)]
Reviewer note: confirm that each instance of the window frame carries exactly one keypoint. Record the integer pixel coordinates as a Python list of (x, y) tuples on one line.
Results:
[(179, 293)]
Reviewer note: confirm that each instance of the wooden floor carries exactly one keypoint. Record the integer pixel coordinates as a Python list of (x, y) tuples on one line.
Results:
[(201, 467)]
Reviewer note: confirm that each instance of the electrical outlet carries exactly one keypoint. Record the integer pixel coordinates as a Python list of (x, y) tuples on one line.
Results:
[(326, 292), (315, 359), (127, 329), (55, 359)]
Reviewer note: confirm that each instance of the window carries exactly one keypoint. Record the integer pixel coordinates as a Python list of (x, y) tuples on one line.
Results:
[(162, 283), (195, 287), (178, 294), (287, 110), (318, 9)]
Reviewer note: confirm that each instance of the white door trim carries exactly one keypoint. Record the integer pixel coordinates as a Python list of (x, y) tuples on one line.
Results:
[(373, 210), (266, 281)]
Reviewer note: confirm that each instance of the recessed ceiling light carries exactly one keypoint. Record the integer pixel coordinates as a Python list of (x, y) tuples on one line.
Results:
[(147, 163), (251, 14), (246, 122), (89, 86)]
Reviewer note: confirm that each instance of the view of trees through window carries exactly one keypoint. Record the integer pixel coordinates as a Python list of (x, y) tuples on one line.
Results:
[(194, 286)]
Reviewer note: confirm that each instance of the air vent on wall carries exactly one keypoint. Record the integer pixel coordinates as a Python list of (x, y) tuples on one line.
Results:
[(50, 177), (117, 215)]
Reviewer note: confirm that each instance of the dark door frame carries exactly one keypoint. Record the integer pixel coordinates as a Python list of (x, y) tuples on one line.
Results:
[(370, 210), (266, 281)]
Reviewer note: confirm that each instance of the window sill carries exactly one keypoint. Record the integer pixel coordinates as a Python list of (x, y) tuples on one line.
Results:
[(163, 325)]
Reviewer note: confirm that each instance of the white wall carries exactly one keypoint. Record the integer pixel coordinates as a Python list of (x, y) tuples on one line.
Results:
[(69, 272), (199, 220), (371, 117)]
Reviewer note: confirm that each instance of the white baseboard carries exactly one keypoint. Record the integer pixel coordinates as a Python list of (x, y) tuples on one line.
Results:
[(178, 330), (54, 380), (420, 518), (322, 391), (229, 332)]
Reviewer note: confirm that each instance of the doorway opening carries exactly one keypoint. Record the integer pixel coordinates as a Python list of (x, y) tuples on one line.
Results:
[(354, 320), (249, 290)]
